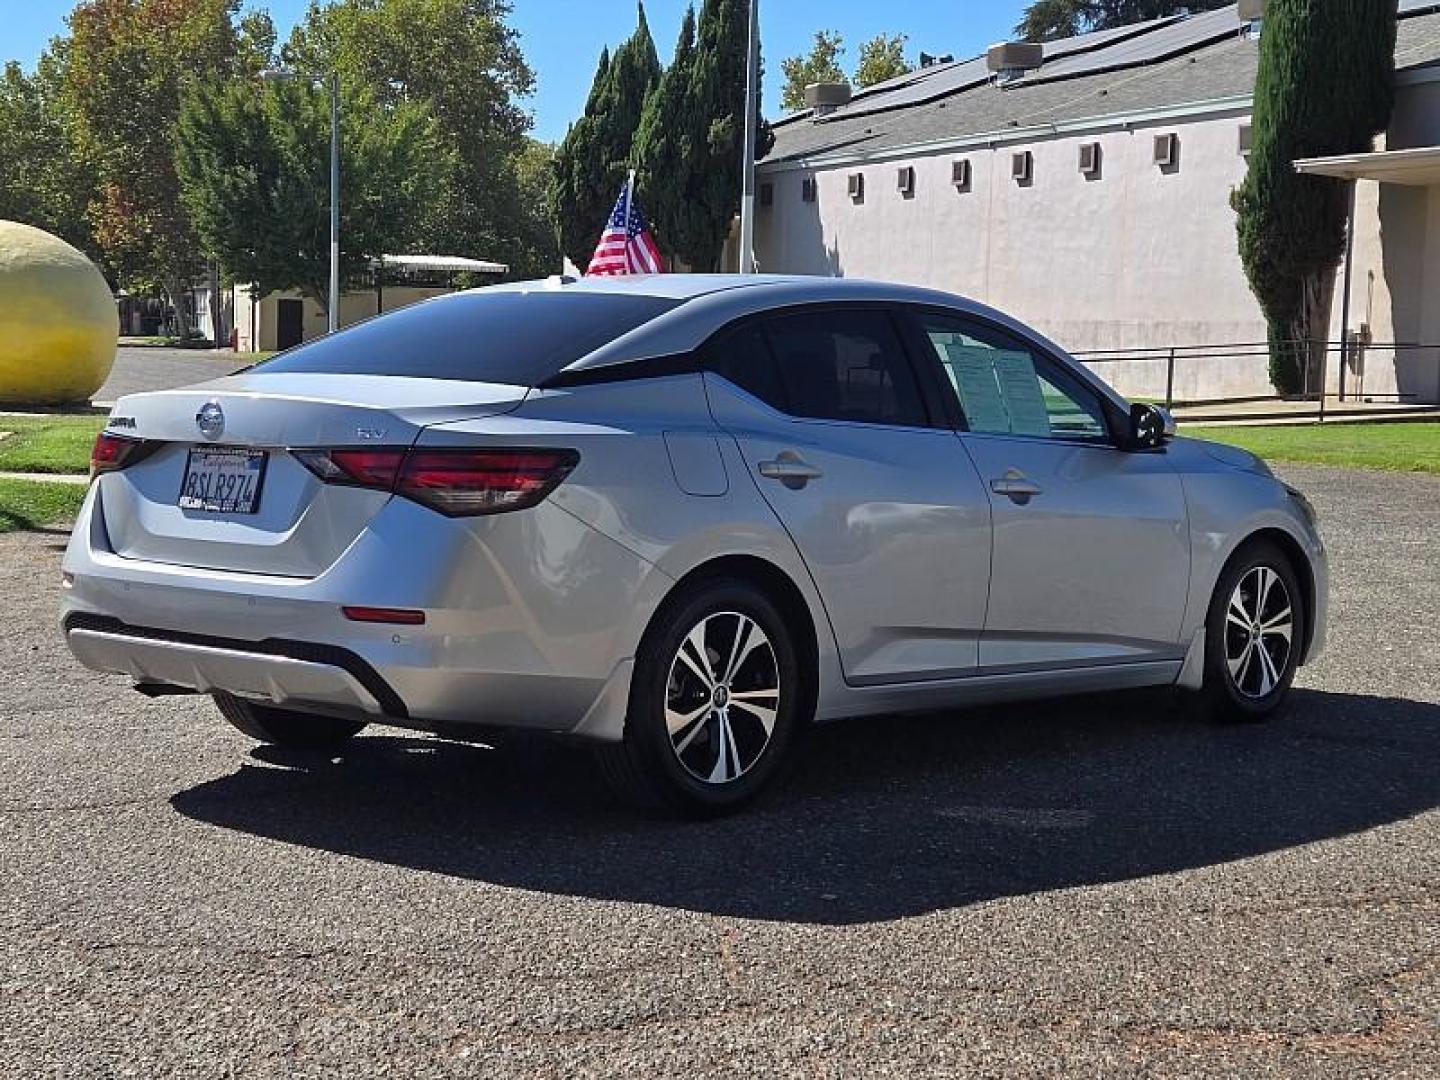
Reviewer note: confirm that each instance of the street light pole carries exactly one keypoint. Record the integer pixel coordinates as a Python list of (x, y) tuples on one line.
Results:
[(332, 83), (334, 304), (747, 165)]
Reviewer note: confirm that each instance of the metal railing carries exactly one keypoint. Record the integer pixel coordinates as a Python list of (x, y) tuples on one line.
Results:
[(1228, 377)]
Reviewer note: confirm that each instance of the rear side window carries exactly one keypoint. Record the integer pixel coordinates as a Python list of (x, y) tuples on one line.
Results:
[(825, 365), (515, 338), (743, 357)]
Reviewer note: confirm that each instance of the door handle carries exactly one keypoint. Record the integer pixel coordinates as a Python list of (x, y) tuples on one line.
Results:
[(1016, 487), (790, 469)]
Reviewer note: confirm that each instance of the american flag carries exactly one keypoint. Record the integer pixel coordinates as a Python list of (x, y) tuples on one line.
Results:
[(626, 246)]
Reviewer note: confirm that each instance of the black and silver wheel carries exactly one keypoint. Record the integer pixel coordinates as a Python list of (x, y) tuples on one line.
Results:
[(1254, 633), (285, 727), (713, 703)]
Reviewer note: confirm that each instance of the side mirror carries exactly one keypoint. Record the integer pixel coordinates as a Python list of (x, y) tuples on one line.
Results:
[(1150, 426)]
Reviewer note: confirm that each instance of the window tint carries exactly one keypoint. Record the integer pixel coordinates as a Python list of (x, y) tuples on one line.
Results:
[(515, 338), (1007, 388), (845, 365), (743, 357)]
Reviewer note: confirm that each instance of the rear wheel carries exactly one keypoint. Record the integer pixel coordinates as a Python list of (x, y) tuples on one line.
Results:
[(714, 703), (1254, 633), (285, 727)]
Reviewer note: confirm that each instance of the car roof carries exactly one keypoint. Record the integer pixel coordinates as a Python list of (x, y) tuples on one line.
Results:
[(709, 302), (692, 286)]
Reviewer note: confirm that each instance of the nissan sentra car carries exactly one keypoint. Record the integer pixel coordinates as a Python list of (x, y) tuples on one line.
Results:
[(678, 517)]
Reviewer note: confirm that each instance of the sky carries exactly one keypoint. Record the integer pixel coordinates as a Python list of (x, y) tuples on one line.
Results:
[(562, 39)]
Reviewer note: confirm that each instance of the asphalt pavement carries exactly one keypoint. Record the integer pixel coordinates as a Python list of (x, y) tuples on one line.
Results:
[(140, 368), (1098, 887)]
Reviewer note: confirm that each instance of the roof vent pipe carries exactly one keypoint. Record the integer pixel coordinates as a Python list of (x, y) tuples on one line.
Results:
[(1011, 59), (824, 98)]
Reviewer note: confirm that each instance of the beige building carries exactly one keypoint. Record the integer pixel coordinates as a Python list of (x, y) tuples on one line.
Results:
[(282, 319), (1085, 189)]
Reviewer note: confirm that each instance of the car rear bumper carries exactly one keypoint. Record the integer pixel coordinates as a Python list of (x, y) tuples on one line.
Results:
[(339, 684), (509, 640)]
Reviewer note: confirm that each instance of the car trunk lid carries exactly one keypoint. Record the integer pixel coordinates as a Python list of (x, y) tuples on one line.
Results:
[(298, 526)]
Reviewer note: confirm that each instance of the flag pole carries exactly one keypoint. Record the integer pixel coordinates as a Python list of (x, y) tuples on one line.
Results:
[(747, 164)]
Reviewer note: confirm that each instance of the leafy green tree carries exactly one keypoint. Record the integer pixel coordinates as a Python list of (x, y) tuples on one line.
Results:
[(881, 58), (1325, 86), (461, 60), (127, 66), (1050, 20), (253, 164), (820, 65), (535, 212), (597, 151), (44, 181)]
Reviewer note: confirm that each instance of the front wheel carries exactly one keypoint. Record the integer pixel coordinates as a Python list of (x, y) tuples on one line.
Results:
[(714, 703), (1254, 634), (285, 727)]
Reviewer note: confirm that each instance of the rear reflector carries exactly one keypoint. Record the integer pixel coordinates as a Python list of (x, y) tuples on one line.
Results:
[(400, 616), (112, 452), (456, 482)]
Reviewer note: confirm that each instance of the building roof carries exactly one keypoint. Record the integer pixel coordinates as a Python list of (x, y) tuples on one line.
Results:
[(1417, 166), (1151, 67)]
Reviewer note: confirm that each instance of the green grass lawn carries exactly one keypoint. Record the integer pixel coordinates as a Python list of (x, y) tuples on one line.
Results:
[(48, 444), (1396, 447), (33, 504)]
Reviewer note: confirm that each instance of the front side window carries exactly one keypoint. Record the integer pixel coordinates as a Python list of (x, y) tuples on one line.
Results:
[(1007, 388)]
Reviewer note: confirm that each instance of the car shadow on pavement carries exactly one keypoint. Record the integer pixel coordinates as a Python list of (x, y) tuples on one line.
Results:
[(881, 818)]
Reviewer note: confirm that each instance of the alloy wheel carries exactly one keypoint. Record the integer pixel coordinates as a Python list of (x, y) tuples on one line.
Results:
[(1259, 629), (722, 697)]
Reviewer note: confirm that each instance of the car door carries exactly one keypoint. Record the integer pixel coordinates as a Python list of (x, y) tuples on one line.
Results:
[(1091, 556), (885, 508)]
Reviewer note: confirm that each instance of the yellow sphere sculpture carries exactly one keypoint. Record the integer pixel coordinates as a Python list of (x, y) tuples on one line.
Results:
[(58, 323)]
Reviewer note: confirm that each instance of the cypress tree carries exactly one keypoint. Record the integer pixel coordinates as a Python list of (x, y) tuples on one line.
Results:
[(570, 186), (710, 130), (595, 155), (1325, 86), (662, 149)]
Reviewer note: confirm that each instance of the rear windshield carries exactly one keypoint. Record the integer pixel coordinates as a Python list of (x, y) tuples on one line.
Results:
[(520, 339)]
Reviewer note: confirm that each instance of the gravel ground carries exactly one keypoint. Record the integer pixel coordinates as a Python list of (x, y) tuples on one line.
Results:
[(1092, 888), (139, 368)]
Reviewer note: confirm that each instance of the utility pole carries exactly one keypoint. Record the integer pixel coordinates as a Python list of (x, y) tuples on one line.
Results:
[(747, 165), (334, 304)]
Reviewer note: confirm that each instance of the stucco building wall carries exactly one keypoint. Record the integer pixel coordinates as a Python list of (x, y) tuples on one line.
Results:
[(1140, 257)]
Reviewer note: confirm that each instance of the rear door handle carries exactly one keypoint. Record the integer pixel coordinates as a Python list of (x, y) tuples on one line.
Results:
[(1016, 487), (790, 469)]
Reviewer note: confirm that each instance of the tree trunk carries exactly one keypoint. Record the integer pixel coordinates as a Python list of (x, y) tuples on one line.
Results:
[(175, 290), (1311, 329)]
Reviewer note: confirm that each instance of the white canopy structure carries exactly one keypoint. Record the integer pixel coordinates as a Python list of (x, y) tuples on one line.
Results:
[(442, 263)]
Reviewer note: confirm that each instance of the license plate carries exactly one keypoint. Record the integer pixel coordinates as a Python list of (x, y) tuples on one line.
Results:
[(223, 480)]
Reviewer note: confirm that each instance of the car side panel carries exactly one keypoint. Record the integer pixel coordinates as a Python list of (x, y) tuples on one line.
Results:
[(626, 488), (1228, 506)]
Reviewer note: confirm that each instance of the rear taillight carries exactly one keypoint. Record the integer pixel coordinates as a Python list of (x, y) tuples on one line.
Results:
[(456, 482), (112, 452), (354, 468)]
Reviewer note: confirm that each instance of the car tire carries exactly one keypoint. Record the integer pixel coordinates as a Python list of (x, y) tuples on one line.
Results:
[(1254, 636), (285, 727), (706, 733)]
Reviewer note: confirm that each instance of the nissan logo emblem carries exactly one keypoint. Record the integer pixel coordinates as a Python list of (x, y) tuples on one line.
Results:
[(211, 420)]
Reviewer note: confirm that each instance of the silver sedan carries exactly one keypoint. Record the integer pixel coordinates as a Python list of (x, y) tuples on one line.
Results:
[(678, 517)]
